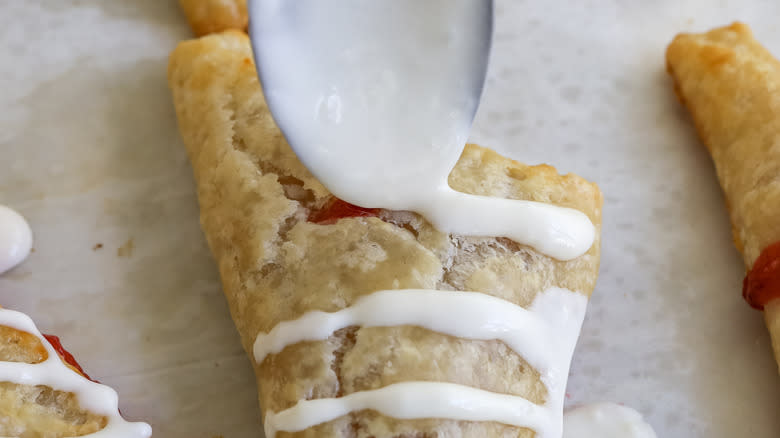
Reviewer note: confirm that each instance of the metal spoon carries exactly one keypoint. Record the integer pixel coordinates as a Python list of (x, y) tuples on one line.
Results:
[(303, 49), (377, 97)]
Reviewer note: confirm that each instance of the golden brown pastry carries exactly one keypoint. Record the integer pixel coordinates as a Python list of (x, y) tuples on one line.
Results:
[(209, 16), (285, 247), (33, 411), (730, 83)]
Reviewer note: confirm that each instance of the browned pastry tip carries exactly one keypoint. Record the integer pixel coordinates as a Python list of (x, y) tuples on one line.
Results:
[(210, 16)]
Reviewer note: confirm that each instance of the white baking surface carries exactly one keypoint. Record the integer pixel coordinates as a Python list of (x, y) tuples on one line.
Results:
[(89, 153)]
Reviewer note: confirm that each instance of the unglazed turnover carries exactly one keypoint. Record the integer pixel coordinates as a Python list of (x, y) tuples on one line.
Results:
[(728, 81)]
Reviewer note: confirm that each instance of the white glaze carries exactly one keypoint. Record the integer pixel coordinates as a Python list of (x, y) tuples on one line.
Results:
[(15, 238), (413, 400), (605, 420), (545, 335), (386, 116), (93, 397)]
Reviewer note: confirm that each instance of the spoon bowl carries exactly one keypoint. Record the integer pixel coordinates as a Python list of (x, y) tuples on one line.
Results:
[(374, 94)]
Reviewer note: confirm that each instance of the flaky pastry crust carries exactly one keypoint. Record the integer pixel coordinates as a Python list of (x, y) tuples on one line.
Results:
[(731, 86), (255, 198)]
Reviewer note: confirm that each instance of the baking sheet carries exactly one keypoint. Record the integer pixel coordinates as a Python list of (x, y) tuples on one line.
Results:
[(90, 154)]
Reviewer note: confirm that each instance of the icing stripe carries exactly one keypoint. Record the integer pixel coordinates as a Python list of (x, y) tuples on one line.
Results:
[(559, 232), (93, 397), (463, 314), (413, 400), (545, 335)]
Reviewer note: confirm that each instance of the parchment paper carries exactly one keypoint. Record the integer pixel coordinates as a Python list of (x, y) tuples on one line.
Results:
[(90, 154)]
